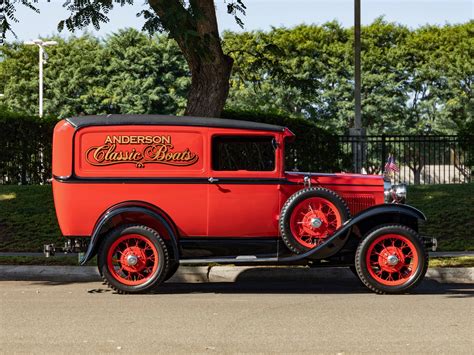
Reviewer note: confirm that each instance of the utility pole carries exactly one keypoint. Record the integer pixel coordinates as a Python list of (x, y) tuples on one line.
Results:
[(358, 120), (357, 133), (41, 44)]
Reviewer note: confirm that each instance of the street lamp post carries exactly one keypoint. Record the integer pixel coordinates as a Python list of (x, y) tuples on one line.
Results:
[(41, 44), (2, 18)]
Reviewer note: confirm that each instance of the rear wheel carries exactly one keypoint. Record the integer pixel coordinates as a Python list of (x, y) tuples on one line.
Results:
[(391, 259), (310, 216), (133, 259)]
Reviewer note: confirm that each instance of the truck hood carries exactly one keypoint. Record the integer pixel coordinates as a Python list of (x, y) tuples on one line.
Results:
[(335, 178)]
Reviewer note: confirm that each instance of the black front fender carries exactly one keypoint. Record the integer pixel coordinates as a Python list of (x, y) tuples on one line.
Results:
[(389, 208), (334, 243)]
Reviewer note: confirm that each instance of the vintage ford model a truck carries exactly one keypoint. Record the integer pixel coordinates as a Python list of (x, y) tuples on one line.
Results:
[(146, 193)]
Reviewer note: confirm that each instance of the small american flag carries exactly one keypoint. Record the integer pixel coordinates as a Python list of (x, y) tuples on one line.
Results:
[(390, 165)]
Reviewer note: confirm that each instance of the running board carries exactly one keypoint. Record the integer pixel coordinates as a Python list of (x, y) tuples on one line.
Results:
[(244, 259), (342, 234)]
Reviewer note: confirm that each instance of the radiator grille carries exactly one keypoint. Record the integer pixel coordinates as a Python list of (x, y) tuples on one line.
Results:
[(358, 202)]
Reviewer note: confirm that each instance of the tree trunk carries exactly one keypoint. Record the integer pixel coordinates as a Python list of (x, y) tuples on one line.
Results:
[(195, 30), (209, 88), (417, 174)]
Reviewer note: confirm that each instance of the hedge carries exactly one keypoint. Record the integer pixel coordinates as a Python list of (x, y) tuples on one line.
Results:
[(25, 145), (25, 148)]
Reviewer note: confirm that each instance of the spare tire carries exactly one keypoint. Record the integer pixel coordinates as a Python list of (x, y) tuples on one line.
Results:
[(310, 216)]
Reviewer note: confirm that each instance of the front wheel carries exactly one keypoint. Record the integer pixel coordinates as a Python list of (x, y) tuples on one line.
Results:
[(133, 259), (391, 259)]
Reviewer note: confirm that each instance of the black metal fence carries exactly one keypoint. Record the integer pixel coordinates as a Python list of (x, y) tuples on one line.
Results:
[(25, 149), (420, 159)]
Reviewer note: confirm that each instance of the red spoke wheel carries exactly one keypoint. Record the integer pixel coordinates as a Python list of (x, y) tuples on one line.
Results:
[(391, 259), (133, 259), (313, 220), (310, 216)]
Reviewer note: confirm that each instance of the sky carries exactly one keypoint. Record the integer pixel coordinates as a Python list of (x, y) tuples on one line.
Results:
[(262, 15)]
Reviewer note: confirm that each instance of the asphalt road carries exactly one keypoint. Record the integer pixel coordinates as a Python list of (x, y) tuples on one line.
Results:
[(269, 317)]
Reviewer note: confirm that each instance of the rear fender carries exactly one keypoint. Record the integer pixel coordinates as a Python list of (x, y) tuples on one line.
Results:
[(118, 214)]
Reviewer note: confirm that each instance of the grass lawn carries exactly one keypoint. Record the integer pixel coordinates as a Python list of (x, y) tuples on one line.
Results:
[(27, 218), (450, 213), (459, 261)]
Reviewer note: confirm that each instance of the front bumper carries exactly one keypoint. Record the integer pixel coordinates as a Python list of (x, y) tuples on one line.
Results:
[(430, 243)]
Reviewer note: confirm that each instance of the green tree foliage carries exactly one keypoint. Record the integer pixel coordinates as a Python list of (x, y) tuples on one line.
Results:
[(75, 77), (146, 76), (127, 73), (302, 71), (384, 97), (191, 23), (413, 81), (18, 71)]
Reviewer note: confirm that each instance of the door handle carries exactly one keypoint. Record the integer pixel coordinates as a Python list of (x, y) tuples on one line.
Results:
[(212, 180)]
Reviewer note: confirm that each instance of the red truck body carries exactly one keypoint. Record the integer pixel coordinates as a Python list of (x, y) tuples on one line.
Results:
[(212, 188)]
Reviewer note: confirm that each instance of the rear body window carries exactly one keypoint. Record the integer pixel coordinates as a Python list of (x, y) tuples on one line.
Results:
[(250, 153)]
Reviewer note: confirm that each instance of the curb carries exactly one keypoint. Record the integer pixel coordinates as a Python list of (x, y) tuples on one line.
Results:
[(462, 275), (203, 274)]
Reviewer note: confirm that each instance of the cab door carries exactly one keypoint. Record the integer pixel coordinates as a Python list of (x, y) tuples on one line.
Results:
[(244, 184)]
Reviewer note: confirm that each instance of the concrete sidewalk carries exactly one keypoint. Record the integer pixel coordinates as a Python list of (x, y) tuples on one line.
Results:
[(219, 274)]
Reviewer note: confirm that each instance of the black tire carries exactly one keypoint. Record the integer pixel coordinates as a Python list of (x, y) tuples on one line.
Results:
[(174, 265), (159, 259), (285, 216), (406, 277)]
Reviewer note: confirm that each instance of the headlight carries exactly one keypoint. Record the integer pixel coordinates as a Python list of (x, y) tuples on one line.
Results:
[(395, 193), (400, 193)]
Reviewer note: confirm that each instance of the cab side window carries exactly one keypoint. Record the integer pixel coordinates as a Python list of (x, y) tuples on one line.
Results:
[(251, 153)]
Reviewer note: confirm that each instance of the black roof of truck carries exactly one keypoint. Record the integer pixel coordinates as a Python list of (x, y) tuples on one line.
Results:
[(162, 120)]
